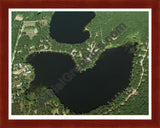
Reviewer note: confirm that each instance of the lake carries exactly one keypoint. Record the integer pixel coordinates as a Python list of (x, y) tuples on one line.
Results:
[(69, 27), (89, 89)]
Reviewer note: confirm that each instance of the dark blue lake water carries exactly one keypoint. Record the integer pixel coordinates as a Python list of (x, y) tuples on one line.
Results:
[(89, 89)]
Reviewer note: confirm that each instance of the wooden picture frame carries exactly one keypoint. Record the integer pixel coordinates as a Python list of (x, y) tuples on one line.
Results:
[(4, 120)]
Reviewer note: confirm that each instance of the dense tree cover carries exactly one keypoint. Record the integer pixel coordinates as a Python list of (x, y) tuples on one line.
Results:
[(15, 29)]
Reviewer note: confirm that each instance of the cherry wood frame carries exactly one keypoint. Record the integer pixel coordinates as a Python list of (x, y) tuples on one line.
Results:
[(6, 4)]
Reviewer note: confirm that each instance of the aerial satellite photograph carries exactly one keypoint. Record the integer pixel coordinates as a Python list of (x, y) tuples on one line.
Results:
[(79, 62)]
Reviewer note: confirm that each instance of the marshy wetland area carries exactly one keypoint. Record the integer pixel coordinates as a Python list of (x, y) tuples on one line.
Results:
[(80, 63)]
